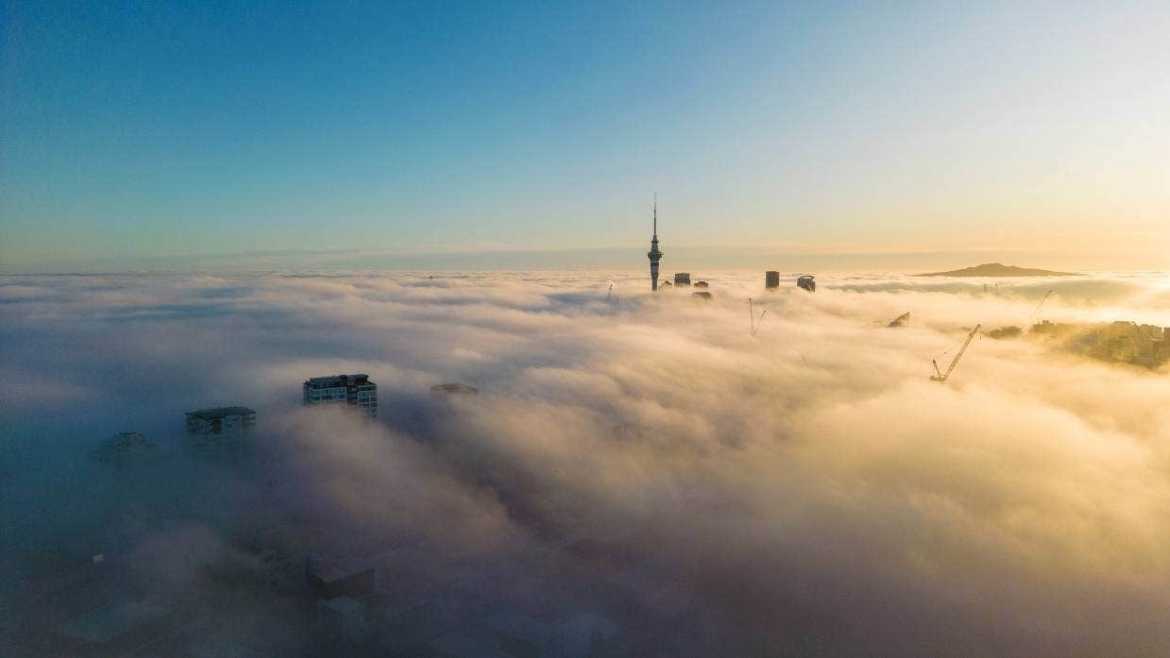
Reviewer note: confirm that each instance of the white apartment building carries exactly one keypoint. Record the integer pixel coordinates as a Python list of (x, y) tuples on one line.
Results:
[(353, 390)]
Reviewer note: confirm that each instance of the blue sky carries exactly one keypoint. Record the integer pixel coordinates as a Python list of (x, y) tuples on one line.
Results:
[(140, 130)]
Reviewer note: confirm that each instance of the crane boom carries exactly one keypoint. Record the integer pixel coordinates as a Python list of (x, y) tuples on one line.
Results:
[(942, 376), (1038, 306)]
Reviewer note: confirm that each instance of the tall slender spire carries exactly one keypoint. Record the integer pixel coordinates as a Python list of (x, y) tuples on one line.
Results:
[(654, 254)]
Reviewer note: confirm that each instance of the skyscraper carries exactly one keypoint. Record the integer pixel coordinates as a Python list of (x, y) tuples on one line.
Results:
[(220, 420), (353, 390), (654, 254)]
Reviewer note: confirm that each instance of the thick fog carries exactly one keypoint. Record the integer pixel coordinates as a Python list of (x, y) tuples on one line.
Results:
[(638, 465)]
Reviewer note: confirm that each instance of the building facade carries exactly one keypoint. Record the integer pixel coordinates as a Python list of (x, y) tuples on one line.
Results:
[(353, 390), (220, 420)]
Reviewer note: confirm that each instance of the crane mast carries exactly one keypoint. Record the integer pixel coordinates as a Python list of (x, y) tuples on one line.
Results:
[(939, 376)]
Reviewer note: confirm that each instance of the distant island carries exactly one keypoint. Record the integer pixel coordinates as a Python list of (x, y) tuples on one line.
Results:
[(998, 269)]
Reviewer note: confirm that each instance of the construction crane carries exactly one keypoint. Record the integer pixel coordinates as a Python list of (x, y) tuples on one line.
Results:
[(752, 316), (1041, 304), (940, 376)]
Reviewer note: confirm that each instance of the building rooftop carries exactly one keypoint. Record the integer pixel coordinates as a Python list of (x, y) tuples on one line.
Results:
[(220, 412), (454, 389), (125, 445), (333, 381)]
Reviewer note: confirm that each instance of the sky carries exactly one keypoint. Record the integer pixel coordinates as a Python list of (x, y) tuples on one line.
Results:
[(165, 135)]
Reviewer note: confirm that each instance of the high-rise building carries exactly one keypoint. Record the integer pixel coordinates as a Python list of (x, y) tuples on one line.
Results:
[(220, 420), (354, 390), (771, 279), (654, 254), (125, 448)]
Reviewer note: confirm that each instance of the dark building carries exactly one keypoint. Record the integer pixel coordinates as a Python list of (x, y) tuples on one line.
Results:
[(220, 419), (682, 278), (807, 282), (125, 447), (353, 390), (771, 280)]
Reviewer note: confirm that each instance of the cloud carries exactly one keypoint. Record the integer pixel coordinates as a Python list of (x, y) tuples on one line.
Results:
[(803, 491)]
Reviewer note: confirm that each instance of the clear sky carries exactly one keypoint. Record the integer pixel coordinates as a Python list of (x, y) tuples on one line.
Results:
[(151, 130)]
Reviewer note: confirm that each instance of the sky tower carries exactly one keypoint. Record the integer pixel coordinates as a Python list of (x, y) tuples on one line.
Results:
[(654, 254)]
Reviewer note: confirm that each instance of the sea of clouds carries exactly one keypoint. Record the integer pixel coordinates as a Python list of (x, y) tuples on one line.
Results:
[(639, 458)]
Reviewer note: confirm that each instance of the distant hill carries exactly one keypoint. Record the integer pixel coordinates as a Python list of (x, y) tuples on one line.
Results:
[(998, 269)]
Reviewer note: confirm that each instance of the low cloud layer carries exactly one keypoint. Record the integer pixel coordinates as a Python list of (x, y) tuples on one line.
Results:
[(641, 459)]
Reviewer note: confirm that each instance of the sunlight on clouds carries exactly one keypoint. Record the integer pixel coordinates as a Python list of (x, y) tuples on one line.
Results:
[(791, 482)]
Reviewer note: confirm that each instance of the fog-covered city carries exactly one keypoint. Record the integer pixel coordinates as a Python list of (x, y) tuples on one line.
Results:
[(621, 472), (557, 329)]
